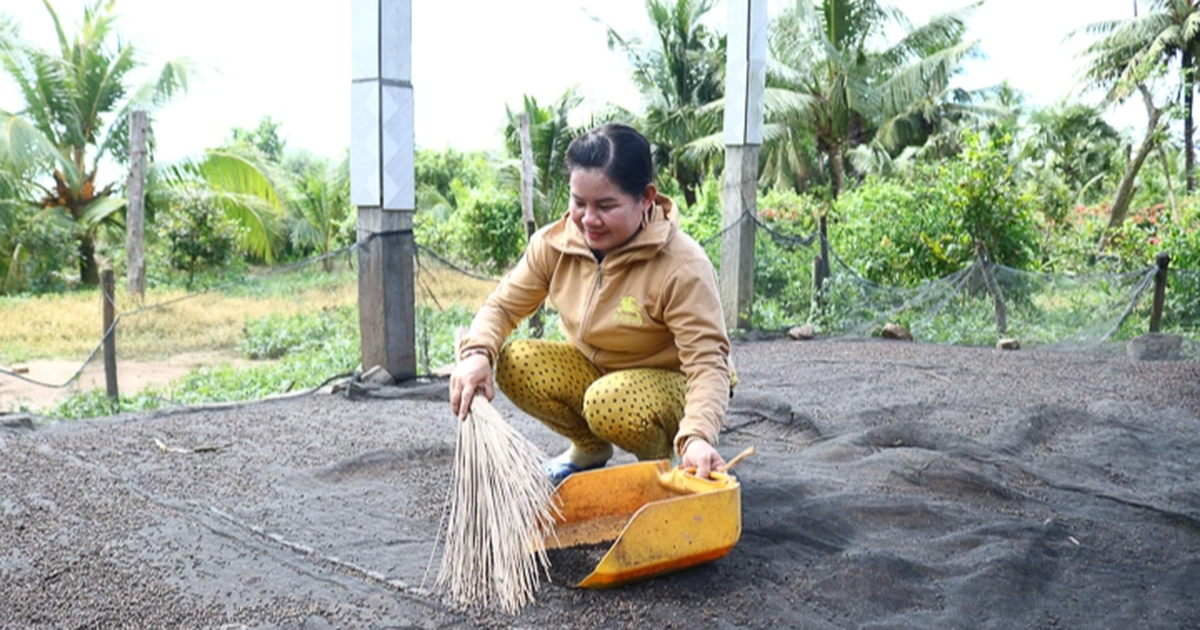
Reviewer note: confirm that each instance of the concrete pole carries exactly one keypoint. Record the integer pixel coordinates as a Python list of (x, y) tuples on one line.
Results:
[(745, 80), (382, 182)]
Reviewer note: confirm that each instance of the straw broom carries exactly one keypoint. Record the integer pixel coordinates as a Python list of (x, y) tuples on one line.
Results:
[(500, 514)]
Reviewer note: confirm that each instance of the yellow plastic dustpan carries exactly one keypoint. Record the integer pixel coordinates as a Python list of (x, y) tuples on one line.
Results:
[(657, 520)]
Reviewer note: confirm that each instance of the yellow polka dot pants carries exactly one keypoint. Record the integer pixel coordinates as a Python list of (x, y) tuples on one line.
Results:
[(637, 410)]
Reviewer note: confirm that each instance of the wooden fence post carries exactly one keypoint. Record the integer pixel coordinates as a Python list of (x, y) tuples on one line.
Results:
[(527, 175), (135, 204), (1160, 291), (984, 260), (821, 263), (108, 295)]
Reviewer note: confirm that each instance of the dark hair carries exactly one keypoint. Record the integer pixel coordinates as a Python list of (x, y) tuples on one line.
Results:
[(620, 151)]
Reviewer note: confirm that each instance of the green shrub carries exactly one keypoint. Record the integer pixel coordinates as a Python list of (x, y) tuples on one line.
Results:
[(703, 221), (95, 403), (296, 370), (924, 222), (485, 231), (491, 230), (35, 249), (993, 211), (199, 236), (1071, 246), (900, 231)]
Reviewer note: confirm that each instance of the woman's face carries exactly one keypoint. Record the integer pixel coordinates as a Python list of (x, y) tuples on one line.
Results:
[(607, 215)]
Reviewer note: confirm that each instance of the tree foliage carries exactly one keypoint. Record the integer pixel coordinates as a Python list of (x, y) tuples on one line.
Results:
[(550, 133), (320, 208), (199, 236), (835, 78), (1129, 53), (924, 222), (76, 115), (1075, 142), (242, 185), (679, 73), (264, 138)]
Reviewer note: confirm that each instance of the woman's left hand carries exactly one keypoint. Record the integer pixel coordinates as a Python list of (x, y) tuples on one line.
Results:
[(703, 457)]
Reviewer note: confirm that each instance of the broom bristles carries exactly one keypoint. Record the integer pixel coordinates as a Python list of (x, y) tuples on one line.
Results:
[(500, 514)]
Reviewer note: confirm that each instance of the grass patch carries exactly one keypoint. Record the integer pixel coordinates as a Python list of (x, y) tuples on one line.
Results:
[(298, 328), (310, 348), (172, 322), (71, 325)]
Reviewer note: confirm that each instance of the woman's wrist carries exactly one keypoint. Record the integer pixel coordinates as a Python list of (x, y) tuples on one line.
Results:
[(687, 442), (470, 352)]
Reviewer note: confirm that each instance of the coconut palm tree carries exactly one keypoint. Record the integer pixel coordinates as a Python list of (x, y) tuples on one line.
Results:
[(1074, 141), (77, 104), (834, 76), (550, 133), (678, 74), (1128, 52), (320, 207), (1133, 56)]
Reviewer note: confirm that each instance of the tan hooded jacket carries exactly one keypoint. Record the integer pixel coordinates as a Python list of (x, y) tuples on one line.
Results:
[(651, 303)]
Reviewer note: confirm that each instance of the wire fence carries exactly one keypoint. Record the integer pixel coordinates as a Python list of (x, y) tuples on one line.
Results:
[(975, 305)]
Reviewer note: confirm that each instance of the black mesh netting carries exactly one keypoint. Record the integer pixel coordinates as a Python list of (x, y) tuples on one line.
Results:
[(896, 485), (984, 302), (1095, 312)]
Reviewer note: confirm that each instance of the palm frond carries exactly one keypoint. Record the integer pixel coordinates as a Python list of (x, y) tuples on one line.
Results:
[(170, 81), (305, 233), (24, 148), (872, 159), (1191, 27), (1129, 52), (248, 196), (705, 148), (945, 30), (232, 172), (916, 81), (262, 228), (101, 210), (10, 33), (779, 103)]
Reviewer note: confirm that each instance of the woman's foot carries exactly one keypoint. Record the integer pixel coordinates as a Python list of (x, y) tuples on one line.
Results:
[(574, 460)]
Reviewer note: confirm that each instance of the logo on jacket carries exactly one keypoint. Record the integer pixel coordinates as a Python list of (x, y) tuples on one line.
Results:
[(629, 312)]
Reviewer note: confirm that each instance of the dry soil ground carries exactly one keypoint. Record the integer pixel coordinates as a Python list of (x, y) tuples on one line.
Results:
[(896, 485)]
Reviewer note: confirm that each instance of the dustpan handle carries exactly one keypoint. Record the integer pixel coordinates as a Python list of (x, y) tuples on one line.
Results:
[(740, 456)]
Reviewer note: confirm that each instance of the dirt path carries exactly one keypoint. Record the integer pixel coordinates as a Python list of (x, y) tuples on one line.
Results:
[(132, 376), (896, 485)]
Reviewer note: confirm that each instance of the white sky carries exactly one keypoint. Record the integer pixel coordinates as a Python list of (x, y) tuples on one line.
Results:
[(291, 60)]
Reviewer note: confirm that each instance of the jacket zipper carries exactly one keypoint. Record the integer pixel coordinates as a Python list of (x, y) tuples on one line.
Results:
[(591, 305)]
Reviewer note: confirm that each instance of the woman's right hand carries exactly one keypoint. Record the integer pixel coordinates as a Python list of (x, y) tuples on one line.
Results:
[(471, 374)]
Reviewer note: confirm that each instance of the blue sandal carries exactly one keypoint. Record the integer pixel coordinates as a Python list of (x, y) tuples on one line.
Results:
[(557, 471)]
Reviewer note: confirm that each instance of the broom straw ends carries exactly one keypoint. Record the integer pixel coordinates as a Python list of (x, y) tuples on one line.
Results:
[(500, 515)]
